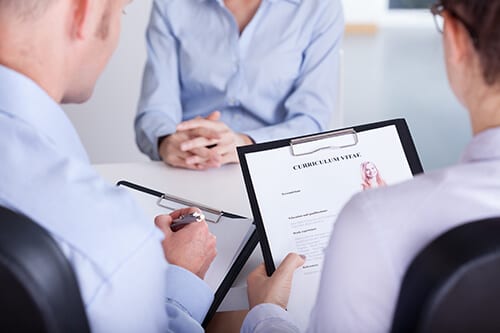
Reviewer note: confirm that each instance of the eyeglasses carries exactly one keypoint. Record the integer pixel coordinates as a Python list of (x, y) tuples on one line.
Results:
[(438, 9)]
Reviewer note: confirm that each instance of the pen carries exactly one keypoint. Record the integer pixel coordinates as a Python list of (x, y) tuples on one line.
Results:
[(184, 220)]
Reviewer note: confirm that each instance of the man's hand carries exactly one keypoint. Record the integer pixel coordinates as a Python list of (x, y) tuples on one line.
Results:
[(226, 143), (192, 247), (274, 289)]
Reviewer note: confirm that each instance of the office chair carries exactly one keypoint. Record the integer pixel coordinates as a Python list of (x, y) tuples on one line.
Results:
[(453, 285), (38, 288)]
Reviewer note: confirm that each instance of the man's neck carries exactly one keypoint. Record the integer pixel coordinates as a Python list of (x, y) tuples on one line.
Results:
[(31, 57)]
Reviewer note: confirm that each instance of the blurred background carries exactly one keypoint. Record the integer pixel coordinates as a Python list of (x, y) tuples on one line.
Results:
[(392, 68)]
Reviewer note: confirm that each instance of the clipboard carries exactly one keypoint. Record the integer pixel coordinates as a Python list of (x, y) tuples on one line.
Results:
[(278, 174), (217, 220)]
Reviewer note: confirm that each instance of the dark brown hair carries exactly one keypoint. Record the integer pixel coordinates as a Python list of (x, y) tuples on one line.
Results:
[(484, 17)]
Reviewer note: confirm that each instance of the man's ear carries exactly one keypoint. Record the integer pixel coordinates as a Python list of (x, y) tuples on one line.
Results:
[(80, 15), (457, 40)]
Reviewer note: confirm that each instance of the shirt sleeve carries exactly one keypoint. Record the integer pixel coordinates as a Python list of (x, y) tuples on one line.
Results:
[(314, 98), (186, 307), (160, 108), (268, 318), (358, 284), (146, 294)]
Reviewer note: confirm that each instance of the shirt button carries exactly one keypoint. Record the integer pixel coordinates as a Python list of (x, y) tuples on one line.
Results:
[(233, 102)]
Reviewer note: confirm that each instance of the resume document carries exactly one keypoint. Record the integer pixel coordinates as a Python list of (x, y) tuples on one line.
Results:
[(299, 198)]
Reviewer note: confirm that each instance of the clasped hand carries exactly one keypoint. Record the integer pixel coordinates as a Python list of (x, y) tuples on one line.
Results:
[(202, 143)]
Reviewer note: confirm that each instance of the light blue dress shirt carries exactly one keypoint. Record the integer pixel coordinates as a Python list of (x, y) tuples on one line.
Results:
[(278, 79), (126, 284), (379, 232)]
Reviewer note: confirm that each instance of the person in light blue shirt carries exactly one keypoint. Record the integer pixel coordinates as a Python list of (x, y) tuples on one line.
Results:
[(221, 74), (52, 51)]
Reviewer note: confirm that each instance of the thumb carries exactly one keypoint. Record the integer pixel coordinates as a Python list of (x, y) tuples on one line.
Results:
[(259, 271), (163, 223), (289, 265), (214, 116)]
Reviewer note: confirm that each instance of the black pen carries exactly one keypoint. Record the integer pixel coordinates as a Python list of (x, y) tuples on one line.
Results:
[(184, 220)]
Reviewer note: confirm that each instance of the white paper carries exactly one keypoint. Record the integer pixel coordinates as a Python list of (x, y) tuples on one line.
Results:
[(232, 235), (299, 198)]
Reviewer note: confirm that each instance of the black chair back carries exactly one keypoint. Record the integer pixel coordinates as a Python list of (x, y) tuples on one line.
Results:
[(38, 288), (453, 285)]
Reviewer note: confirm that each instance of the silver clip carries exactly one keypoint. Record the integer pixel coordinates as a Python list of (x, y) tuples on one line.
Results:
[(173, 203), (330, 140)]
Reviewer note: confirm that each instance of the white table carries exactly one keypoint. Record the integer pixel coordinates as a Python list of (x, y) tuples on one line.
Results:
[(222, 188)]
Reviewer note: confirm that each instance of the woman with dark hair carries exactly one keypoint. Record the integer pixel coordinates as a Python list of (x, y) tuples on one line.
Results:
[(378, 233)]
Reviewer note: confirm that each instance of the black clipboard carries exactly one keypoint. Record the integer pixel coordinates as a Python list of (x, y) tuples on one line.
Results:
[(212, 216), (296, 144)]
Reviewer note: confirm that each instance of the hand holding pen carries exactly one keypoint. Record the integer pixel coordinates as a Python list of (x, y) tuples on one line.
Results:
[(184, 220), (191, 246)]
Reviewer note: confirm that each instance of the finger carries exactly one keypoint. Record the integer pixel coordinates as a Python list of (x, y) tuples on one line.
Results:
[(174, 156), (196, 167), (176, 159), (212, 242), (209, 258), (214, 116), (224, 149), (203, 155), (171, 153), (184, 211), (229, 158), (213, 161), (202, 167), (196, 160), (196, 123), (163, 223), (198, 142), (212, 246), (289, 265), (208, 165), (204, 132), (258, 272), (174, 139), (180, 164)]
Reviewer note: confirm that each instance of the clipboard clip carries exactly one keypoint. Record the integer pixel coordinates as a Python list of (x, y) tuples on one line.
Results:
[(330, 140), (172, 203)]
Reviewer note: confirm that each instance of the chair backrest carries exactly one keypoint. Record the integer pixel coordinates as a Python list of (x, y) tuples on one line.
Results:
[(38, 288), (453, 285)]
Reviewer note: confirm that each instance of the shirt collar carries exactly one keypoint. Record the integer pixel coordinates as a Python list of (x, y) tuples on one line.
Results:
[(22, 98), (484, 146)]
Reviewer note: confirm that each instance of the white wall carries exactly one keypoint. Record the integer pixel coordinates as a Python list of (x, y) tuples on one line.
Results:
[(364, 11), (377, 11), (105, 123)]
